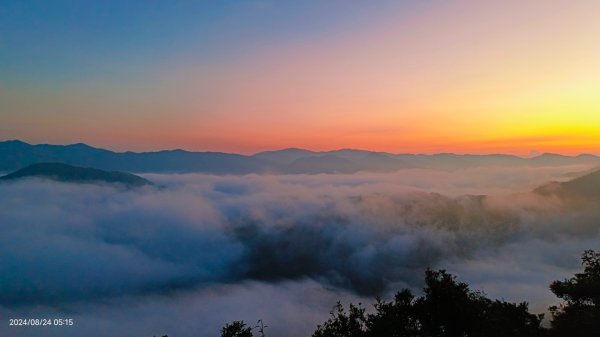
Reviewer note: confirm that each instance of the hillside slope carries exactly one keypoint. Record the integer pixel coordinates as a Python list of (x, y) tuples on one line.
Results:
[(73, 174)]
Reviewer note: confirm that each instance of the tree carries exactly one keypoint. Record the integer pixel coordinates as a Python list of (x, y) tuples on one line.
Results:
[(447, 308), (342, 323), (396, 318), (579, 314), (236, 329), (510, 319)]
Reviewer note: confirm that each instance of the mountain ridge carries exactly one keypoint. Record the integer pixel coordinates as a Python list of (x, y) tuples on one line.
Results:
[(15, 154)]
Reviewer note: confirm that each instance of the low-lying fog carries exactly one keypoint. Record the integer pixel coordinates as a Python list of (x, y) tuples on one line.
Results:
[(203, 250)]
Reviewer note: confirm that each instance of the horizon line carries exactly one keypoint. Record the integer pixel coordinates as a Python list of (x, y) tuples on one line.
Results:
[(540, 154)]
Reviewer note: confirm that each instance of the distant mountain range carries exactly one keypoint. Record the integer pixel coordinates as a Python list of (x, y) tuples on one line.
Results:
[(74, 174), (15, 154)]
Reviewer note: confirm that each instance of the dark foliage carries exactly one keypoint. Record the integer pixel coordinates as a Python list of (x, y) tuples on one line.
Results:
[(447, 309), (342, 323), (236, 329), (396, 318), (579, 315)]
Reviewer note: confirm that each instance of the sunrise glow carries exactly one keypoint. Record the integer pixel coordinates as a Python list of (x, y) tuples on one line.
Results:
[(422, 77)]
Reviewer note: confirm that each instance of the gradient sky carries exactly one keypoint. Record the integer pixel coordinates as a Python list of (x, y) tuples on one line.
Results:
[(507, 76)]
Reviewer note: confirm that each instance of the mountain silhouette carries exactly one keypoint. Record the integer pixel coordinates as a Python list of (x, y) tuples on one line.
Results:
[(328, 163), (586, 186), (73, 174), (16, 154)]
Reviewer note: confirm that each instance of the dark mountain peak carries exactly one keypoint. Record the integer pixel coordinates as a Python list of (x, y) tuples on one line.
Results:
[(79, 147), (550, 155), (348, 150), (558, 159), (358, 154), (75, 174), (283, 156), (295, 149), (170, 151), (14, 142), (587, 186), (289, 151)]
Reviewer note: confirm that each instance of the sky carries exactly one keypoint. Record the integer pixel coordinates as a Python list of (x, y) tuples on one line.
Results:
[(518, 77)]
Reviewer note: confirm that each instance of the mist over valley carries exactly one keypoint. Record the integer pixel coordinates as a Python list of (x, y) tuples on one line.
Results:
[(283, 247)]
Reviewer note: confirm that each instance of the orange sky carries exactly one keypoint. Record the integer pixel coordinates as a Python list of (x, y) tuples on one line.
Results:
[(457, 76)]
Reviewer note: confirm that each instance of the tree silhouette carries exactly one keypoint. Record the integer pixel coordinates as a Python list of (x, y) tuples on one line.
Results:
[(396, 318), (236, 329), (579, 315), (343, 324), (447, 308), (509, 319)]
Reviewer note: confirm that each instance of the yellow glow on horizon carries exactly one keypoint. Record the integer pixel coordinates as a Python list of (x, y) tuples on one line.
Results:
[(468, 77)]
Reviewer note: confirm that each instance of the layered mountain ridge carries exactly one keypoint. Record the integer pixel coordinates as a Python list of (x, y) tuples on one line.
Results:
[(16, 154)]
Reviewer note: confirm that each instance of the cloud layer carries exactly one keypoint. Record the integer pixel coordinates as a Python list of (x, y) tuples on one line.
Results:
[(205, 244)]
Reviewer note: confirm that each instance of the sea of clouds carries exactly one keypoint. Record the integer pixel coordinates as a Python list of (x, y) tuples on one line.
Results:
[(197, 251)]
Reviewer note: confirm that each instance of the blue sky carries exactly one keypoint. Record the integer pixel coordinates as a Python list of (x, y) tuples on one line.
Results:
[(54, 41)]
